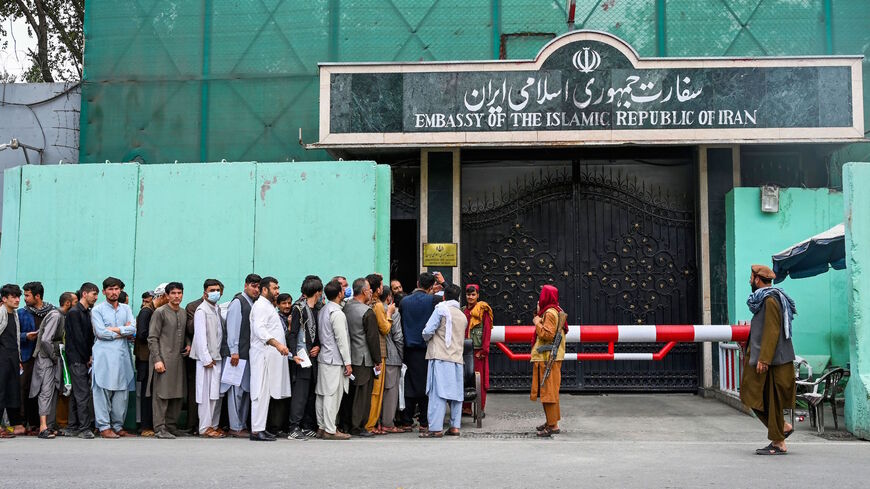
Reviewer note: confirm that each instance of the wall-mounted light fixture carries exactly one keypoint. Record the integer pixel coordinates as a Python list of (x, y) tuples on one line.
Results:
[(769, 198)]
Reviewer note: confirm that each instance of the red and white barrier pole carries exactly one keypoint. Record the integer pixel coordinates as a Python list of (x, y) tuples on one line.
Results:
[(671, 334)]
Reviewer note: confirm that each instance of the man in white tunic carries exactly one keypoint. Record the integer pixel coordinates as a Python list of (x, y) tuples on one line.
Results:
[(334, 364), (270, 375), (208, 328)]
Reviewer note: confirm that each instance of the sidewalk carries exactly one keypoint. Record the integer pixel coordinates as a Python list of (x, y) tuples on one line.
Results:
[(630, 417)]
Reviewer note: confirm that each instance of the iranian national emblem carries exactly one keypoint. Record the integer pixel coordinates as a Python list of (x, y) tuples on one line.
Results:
[(586, 60)]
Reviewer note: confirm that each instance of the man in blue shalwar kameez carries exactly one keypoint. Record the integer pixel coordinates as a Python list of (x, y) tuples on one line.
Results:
[(113, 362)]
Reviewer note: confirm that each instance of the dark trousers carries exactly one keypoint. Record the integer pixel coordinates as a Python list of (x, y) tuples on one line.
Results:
[(192, 406), (14, 415), (146, 408), (81, 400), (364, 380), (279, 414), (302, 402), (29, 405), (418, 405)]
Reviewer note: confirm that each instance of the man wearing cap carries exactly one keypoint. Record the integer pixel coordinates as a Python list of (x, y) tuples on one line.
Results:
[(143, 356), (767, 386)]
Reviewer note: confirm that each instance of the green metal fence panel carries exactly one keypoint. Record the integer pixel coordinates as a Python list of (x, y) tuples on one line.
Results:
[(76, 223), (384, 197), (318, 218), (9, 240), (144, 40), (147, 122), (193, 222), (236, 79)]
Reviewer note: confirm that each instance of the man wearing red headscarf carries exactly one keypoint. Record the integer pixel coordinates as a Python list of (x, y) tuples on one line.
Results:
[(548, 320)]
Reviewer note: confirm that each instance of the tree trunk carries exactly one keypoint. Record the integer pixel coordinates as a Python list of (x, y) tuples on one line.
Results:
[(42, 43)]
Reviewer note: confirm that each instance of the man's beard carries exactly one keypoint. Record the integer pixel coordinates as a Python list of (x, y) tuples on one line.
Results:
[(754, 287)]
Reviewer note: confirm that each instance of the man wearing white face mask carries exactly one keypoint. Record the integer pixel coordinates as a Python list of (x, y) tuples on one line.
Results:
[(207, 335)]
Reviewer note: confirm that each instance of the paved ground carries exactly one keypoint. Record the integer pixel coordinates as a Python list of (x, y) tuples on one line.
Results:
[(608, 441)]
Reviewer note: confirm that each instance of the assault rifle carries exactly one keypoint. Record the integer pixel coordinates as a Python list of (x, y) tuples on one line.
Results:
[(553, 349)]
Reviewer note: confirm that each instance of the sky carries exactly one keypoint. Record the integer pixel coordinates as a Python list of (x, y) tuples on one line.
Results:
[(14, 57)]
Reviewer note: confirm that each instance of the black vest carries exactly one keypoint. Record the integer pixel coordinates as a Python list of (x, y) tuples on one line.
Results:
[(244, 330), (784, 352)]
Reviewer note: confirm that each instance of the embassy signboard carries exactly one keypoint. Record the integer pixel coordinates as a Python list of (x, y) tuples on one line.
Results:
[(589, 87)]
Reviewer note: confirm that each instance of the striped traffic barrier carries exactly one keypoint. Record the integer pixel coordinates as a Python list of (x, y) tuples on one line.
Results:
[(670, 334)]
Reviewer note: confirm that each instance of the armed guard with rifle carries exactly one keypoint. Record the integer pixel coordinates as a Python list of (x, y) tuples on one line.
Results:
[(551, 325)]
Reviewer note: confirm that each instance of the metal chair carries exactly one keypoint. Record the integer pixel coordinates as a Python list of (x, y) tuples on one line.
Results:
[(472, 382), (800, 362), (829, 382)]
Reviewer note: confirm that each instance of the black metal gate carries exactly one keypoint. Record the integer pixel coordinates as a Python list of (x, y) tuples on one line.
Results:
[(619, 250)]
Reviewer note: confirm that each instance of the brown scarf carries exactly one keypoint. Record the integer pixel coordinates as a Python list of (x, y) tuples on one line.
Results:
[(476, 316)]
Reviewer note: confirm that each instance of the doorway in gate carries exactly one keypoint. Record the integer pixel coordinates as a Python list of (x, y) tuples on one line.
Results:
[(613, 229), (404, 227)]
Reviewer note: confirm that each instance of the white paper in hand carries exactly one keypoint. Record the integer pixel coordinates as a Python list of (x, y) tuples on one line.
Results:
[(306, 362), (233, 375)]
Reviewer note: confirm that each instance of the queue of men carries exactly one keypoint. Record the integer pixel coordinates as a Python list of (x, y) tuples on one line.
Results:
[(329, 365)]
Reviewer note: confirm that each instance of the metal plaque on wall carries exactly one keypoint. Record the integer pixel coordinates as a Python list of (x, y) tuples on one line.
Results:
[(439, 254)]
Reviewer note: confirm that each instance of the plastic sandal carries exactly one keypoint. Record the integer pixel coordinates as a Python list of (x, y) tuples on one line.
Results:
[(46, 434), (771, 450)]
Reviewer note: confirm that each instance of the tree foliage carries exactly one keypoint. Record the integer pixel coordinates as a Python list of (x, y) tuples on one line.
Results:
[(57, 27)]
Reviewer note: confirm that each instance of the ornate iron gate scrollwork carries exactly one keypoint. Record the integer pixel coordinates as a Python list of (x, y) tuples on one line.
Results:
[(619, 253)]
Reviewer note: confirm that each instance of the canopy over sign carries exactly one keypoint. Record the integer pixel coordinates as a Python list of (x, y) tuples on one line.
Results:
[(589, 87)]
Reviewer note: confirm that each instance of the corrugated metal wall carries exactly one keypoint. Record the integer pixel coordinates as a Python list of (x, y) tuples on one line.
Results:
[(236, 79), (148, 224)]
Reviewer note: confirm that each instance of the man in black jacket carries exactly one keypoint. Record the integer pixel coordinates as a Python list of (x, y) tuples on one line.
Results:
[(303, 328), (79, 340)]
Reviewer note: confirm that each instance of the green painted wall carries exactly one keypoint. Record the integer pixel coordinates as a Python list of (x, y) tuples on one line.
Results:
[(820, 327), (147, 224), (74, 224), (320, 218), (198, 219), (856, 180), (236, 79)]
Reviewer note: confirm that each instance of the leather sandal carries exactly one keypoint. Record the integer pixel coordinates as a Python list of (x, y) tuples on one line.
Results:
[(213, 433), (452, 432), (547, 432), (431, 434)]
